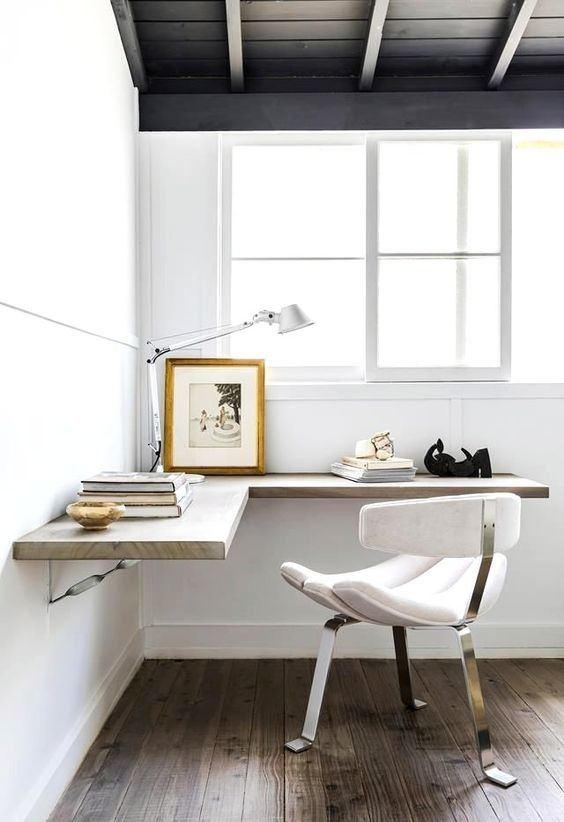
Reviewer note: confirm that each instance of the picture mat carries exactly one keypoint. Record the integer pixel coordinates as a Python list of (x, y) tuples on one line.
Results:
[(215, 457)]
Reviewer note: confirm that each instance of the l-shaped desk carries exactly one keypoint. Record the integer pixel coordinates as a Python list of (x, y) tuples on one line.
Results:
[(206, 530)]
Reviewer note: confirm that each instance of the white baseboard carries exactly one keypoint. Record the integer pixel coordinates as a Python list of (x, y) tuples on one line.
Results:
[(276, 641), (68, 755)]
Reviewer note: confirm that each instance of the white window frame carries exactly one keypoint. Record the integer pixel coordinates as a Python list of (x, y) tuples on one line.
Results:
[(369, 371), (323, 373), (376, 373)]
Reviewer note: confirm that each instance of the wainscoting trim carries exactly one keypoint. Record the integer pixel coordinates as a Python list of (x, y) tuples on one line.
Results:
[(283, 641)]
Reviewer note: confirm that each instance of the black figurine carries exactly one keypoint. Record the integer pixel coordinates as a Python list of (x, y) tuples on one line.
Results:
[(443, 465)]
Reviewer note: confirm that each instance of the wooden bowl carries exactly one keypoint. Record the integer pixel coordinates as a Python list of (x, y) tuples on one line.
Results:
[(95, 515)]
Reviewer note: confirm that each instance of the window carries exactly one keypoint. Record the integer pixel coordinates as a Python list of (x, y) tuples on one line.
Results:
[(294, 232), (396, 247), (437, 279)]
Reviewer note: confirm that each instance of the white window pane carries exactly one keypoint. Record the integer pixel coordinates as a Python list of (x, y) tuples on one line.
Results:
[(438, 313), (538, 257), (481, 340), (483, 196), (417, 197), (438, 197), (330, 291), (298, 201)]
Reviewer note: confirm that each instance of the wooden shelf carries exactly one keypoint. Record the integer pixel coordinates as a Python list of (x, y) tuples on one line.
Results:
[(320, 486), (208, 527)]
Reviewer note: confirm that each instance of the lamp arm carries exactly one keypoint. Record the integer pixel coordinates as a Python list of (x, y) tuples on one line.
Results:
[(212, 335), (156, 443)]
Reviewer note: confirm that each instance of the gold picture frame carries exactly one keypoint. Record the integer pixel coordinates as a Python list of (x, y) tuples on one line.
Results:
[(214, 416)]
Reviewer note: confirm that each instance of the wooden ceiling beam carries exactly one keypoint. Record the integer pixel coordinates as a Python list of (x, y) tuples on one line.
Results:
[(378, 11), (128, 34), (519, 16), (235, 44), (356, 111)]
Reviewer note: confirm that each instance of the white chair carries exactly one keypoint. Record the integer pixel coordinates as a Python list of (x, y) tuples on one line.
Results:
[(447, 572)]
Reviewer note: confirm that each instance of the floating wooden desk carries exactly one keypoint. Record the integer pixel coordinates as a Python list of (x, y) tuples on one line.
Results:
[(207, 528)]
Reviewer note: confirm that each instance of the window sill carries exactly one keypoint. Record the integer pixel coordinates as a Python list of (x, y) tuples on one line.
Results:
[(370, 391)]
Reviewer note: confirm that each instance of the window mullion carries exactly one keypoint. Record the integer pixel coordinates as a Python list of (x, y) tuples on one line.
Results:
[(462, 243), (372, 253), (294, 259)]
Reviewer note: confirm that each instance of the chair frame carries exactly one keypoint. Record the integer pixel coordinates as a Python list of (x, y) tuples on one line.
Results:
[(467, 656)]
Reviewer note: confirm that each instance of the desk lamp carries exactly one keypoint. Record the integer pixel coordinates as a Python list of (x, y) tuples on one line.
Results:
[(289, 318)]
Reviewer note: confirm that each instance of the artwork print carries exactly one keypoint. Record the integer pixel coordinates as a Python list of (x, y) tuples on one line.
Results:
[(215, 415)]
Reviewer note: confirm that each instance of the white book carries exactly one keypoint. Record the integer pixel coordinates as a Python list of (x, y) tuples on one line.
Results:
[(372, 464), (357, 475), (134, 482), (137, 497), (132, 511)]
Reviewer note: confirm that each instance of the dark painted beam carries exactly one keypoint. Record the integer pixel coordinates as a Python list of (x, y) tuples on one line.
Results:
[(378, 11), (308, 85), (519, 16), (351, 111), (235, 44), (128, 34)]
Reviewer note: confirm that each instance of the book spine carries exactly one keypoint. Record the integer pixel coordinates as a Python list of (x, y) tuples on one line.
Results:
[(371, 465), (138, 498), (125, 488), (149, 511)]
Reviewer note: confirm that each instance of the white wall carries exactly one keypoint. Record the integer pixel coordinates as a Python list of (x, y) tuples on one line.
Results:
[(69, 374), (241, 607)]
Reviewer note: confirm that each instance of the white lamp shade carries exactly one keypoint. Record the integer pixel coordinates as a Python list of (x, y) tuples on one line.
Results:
[(292, 318)]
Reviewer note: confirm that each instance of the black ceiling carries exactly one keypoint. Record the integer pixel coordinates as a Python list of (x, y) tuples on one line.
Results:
[(256, 65), (319, 45)]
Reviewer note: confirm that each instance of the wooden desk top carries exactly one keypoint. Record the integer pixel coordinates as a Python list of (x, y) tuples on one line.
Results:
[(208, 527)]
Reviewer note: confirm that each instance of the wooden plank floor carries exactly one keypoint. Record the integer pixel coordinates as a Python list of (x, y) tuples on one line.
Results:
[(203, 740)]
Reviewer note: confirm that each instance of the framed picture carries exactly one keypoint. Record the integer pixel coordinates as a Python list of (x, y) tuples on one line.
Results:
[(214, 416)]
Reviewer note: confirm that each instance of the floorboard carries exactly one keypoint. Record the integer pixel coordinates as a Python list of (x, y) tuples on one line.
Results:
[(445, 687), (203, 740), (189, 776), (305, 796), (148, 785), (97, 754), (340, 767), (384, 787), (225, 789), (264, 786), (537, 755), (547, 701), (103, 799), (416, 747)]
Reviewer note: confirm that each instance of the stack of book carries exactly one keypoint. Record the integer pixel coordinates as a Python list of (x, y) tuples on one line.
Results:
[(360, 469), (144, 495)]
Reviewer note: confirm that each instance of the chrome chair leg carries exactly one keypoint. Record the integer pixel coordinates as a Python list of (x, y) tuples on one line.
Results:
[(404, 669), (476, 701), (321, 673)]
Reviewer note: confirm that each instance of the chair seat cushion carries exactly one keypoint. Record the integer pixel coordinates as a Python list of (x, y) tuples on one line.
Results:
[(405, 590)]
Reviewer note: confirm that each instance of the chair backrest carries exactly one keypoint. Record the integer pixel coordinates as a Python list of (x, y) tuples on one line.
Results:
[(440, 526)]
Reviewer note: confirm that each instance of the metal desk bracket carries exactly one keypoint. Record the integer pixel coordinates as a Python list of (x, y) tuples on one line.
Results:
[(88, 582)]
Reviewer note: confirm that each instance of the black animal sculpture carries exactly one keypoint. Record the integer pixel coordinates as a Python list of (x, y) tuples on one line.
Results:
[(443, 465)]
